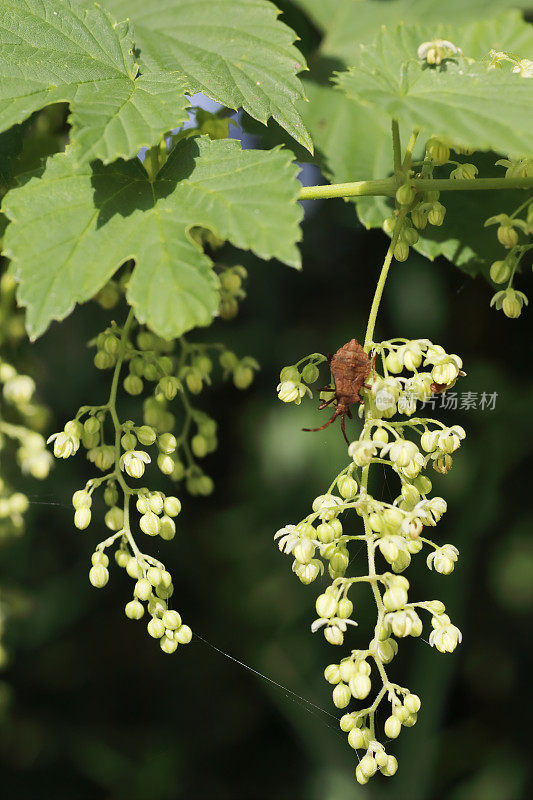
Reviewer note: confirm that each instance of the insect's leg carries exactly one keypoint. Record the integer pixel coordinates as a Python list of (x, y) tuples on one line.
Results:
[(344, 429), (333, 418), (349, 413), (325, 403)]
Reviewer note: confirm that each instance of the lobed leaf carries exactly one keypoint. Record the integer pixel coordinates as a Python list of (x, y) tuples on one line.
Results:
[(73, 227), (234, 51), (347, 24), (56, 51), (461, 100)]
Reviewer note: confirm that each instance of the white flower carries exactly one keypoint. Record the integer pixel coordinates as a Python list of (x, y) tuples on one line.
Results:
[(443, 559), (327, 506), (291, 392), (65, 445), (445, 637), (134, 461), (362, 451)]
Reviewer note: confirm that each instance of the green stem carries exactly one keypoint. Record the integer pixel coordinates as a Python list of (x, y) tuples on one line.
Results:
[(396, 146), (387, 187), (382, 278), (151, 162)]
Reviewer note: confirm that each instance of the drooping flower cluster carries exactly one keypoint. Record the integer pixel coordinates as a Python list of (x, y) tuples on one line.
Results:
[(394, 532), (21, 420), (122, 450)]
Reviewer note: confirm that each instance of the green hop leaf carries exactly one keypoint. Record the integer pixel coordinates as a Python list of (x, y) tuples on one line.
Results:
[(72, 228)]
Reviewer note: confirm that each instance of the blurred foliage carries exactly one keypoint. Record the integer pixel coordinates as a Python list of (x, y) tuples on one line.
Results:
[(95, 712)]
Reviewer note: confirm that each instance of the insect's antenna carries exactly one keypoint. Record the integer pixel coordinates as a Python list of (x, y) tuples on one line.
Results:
[(333, 418)]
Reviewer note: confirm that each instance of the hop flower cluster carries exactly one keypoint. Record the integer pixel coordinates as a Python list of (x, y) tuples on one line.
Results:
[(21, 420), (394, 532), (173, 370), (514, 233), (124, 450)]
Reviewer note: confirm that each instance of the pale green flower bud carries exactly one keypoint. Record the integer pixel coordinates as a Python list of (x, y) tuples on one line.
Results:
[(168, 645), (167, 443), (114, 518), (412, 703), (356, 738), (169, 387), (82, 518), (391, 767), (392, 727), (122, 558), (156, 628), (333, 635), (199, 446), (310, 373), (156, 606), (146, 435), (347, 487), (326, 605), (464, 172), (347, 669), (193, 379), (345, 608), (183, 635), (438, 151), (340, 560), (128, 441), (401, 624), (243, 377), (91, 426), (332, 673), (156, 502), (394, 363), (405, 194), (429, 440), (401, 251), (290, 374), (360, 686), (143, 504), (436, 214), (368, 766), (19, 390), (143, 589), (364, 668), (359, 776), (228, 360), (419, 218), (150, 524), (153, 575), (81, 498), (386, 650), (134, 609), (500, 271), (172, 620), (347, 723), (167, 529), (507, 235), (133, 384), (389, 224), (409, 236), (103, 360), (172, 506), (98, 575), (99, 557), (380, 435), (436, 607), (165, 464), (341, 695), (395, 598)]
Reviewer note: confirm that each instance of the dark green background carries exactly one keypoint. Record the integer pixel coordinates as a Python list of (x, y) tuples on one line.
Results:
[(99, 712)]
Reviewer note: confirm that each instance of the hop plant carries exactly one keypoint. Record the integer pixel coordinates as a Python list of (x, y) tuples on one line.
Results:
[(393, 533)]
